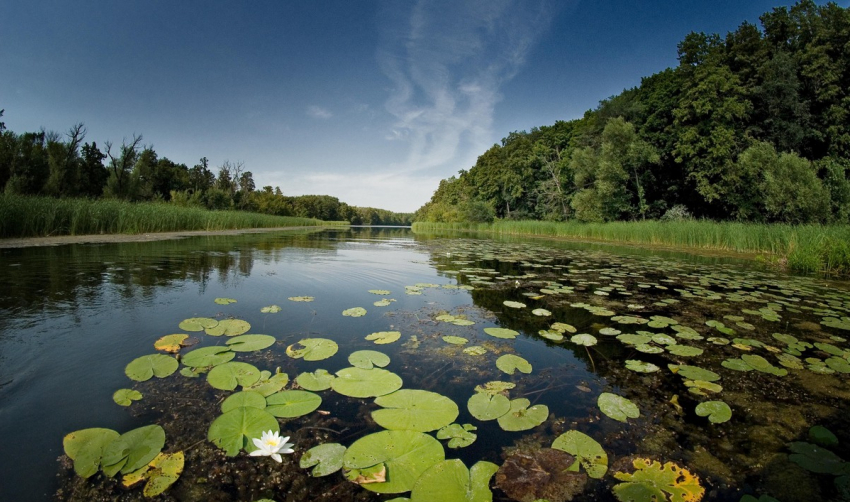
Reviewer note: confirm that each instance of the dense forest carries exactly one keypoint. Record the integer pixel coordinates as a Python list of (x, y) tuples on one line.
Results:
[(751, 127), (53, 164)]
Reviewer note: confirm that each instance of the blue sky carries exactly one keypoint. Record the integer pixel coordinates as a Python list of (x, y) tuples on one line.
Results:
[(371, 102)]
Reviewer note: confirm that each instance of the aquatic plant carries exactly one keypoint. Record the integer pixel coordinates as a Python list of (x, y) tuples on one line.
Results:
[(270, 444)]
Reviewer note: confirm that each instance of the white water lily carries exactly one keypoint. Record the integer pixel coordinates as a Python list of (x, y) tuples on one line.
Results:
[(272, 445)]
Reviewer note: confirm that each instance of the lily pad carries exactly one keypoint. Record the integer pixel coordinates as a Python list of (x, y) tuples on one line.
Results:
[(822, 436), (382, 292), (384, 337), (501, 333), (484, 406), (587, 451), (125, 397), (250, 343), (357, 382), (229, 327), (301, 298), (248, 398), (541, 312), (85, 447), (495, 387), (197, 323), (327, 459), (234, 430), (617, 407), (292, 403), (513, 305), (416, 410), (403, 455), (641, 366), (228, 375), (459, 436), (522, 417), (654, 481), (133, 450), (354, 312), (312, 349), (455, 340), (368, 359), (170, 343), (816, 459), (155, 365), (510, 363), (384, 302), (224, 301), (271, 309), (694, 372), (162, 472), (316, 381), (716, 411), (451, 481), (584, 339), (475, 350), (684, 350), (206, 357)]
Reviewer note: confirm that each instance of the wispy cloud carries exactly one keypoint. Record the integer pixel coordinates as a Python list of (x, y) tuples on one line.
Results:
[(317, 112), (447, 60)]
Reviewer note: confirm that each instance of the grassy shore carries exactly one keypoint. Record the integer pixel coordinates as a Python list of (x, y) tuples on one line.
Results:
[(27, 216), (801, 248)]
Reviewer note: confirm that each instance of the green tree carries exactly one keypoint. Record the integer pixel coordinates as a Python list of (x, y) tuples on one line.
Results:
[(121, 164)]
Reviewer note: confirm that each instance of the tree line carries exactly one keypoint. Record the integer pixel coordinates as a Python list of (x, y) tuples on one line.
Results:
[(62, 165), (753, 126)]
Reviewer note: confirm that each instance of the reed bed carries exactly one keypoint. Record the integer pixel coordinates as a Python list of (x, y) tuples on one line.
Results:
[(31, 216), (802, 248)]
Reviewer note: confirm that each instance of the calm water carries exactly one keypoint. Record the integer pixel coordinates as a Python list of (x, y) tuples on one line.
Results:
[(72, 317)]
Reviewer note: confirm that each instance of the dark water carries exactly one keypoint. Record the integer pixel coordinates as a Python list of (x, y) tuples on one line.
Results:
[(72, 317)]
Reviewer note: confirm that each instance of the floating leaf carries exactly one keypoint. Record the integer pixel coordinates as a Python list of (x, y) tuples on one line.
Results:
[(316, 381), (513, 305), (208, 356), (716, 411), (292, 403), (563, 327), (233, 430), (816, 459), (415, 410), (617, 407), (495, 387), (170, 343), (736, 364), (125, 397), (224, 301), (229, 327), (522, 417), (383, 292), (327, 459), (484, 406), (475, 350), (455, 340), (155, 365), (551, 335), (164, 470), (354, 312), (761, 364), (270, 385), (584, 339), (368, 359), (357, 382), (384, 337), (312, 349), (384, 302), (451, 481), (85, 447), (249, 343), (459, 436), (271, 309), (694, 372), (822, 436), (405, 455), (588, 452), (133, 450), (301, 298), (541, 312), (247, 398), (684, 350), (228, 375), (640, 366), (501, 333), (197, 323), (654, 482), (510, 363)]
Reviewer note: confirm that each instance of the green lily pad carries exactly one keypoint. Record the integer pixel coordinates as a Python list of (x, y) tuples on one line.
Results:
[(162, 472), (698, 386), (686, 332), (822, 436), (522, 417), (736, 364), (416, 410), (368, 359), (551, 335), (292, 403), (85, 447), (228, 375), (197, 323), (301, 298), (694, 372), (229, 327), (382, 292), (564, 327), (312, 349), (354, 312), (584, 339), (224, 301), (269, 384), (510, 363), (402, 455), (641, 366), (609, 331), (541, 312), (684, 350), (663, 339), (455, 340), (617, 407), (588, 452), (133, 450), (316, 381), (327, 459), (632, 339), (654, 481), (761, 364), (501, 333), (384, 302), (125, 397), (250, 343), (247, 398), (484, 406), (357, 382), (816, 459), (451, 481), (475, 350), (384, 337), (144, 368), (495, 387), (716, 411), (234, 430), (513, 305), (206, 357), (459, 436), (271, 309)]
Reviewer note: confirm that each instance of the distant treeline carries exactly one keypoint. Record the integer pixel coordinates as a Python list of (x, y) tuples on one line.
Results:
[(51, 164), (753, 126)]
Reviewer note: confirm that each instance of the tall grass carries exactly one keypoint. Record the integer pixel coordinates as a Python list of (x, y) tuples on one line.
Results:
[(28, 216), (803, 248)]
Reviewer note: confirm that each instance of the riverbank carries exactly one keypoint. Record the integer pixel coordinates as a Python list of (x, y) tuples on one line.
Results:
[(800, 248)]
